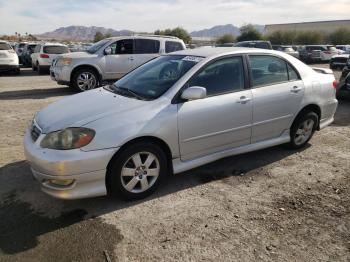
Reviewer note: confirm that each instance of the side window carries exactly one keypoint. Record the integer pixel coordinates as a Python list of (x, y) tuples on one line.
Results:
[(292, 74), (222, 76), (267, 70), (123, 47), (171, 46), (146, 46)]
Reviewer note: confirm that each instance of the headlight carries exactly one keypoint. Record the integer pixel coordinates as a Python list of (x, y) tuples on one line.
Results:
[(69, 138), (64, 61)]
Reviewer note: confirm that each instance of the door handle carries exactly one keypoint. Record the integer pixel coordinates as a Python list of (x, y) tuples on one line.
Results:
[(243, 100), (131, 58), (296, 89)]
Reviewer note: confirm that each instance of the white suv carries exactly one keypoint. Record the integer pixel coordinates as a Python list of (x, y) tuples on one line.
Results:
[(110, 59), (44, 53), (8, 58)]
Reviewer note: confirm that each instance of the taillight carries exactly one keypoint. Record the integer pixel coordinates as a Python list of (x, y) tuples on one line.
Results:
[(335, 83), (44, 56)]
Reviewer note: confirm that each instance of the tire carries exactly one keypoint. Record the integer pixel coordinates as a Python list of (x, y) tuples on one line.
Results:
[(131, 180), (302, 130), (84, 79), (34, 67), (40, 69)]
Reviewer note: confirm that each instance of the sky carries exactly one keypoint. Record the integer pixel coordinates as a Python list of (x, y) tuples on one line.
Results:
[(39, 16)]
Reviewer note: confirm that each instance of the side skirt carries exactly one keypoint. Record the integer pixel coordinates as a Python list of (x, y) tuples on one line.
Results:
[(181, 166)]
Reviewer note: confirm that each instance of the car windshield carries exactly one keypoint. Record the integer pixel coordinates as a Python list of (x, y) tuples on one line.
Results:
[(154, 78), (95, 47), (5, 46), (56, 49)]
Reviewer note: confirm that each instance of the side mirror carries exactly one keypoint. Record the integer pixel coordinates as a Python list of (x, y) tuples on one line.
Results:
[(194, 92), (108, 50)]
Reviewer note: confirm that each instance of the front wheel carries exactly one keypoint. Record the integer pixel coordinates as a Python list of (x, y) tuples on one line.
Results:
[(84, 80), (137, 171), (303, 129)]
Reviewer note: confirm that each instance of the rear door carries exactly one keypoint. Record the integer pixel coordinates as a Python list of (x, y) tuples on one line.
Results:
[(145, 50), (121, 60), (277, 94)]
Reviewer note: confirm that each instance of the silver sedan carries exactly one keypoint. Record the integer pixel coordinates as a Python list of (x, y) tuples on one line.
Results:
[(174, 113)]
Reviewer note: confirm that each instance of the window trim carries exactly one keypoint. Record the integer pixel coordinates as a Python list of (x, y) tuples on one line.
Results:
[(271, 84), (177, 97)]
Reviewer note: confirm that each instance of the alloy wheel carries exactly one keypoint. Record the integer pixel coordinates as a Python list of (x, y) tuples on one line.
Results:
[(86, 81), (140, 172), (304, 131)]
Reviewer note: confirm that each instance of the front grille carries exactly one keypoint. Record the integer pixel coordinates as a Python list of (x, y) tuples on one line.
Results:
[(35, 131), (342, 60)]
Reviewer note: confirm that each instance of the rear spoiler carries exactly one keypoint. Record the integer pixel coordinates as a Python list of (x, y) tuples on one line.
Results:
[(322, 70)]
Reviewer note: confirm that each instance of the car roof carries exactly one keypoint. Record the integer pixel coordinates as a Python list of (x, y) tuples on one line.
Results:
[(53, 44), (145, 37), (215, 51)]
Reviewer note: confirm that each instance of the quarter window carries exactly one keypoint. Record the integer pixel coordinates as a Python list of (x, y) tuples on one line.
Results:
[(171, 46), (268, 70), (146, 46), (292, 74), (222, 76)]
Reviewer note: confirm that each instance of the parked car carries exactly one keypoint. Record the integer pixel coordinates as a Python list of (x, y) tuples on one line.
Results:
[(318, 53), (343, 89), (175, 113), (19, 50), (286, 49), (338, 61), (44, 54), (8, 58), (345, 48), (254, 44), (28, 49), (110, 59)]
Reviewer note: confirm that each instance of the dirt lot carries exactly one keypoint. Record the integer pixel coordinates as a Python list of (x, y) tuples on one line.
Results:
[(270, 205)]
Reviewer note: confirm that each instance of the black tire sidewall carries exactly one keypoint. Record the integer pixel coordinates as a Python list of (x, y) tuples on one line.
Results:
[(74, 83), (296, 124), (114, 184)]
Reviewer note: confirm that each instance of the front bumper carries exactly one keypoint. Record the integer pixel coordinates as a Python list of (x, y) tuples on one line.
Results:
[(60, 74), (87, 169)]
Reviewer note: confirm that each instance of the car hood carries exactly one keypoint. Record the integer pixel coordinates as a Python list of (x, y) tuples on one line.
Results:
[(78, 55), (81, 109)]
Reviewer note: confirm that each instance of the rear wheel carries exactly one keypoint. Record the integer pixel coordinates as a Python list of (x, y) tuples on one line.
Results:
[(137, 171), (40, 69), (34, 67), (84, 80), (303, 129)]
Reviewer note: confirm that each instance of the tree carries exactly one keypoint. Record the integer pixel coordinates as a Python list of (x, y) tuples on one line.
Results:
[(177, 32), (282, 37), (309, 38), (249, 32), (98, 36), (107, 35), (339, 37), (228, 38)]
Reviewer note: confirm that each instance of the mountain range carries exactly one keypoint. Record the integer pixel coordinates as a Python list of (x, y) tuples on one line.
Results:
[(85, 33)]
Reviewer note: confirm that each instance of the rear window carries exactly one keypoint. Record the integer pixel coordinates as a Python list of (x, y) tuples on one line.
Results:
[(146, 46), (55, 49), (5, 46), (171, 46)]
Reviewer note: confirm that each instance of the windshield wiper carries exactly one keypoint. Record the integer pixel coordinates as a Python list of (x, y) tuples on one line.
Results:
[(134, 94)]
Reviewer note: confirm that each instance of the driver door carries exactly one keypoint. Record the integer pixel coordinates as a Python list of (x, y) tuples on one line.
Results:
[(121, 60), (223, 119)]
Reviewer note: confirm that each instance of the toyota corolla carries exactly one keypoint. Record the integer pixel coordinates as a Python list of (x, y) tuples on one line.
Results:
[(174, 113)]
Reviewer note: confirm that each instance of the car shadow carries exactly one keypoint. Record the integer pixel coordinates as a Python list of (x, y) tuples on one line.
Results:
[(36, 93), (21, 224)]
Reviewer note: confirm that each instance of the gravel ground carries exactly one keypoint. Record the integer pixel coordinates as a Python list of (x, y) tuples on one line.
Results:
[(270, 205)]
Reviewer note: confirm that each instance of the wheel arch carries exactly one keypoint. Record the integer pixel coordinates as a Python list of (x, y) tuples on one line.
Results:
[(313, 108), (83, 66), (161, 143)]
